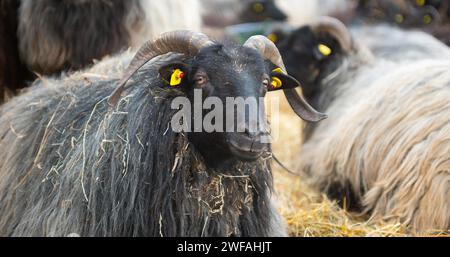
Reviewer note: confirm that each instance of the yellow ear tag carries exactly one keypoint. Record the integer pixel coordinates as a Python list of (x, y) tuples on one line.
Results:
[(176, 77), (325, 50), (420, 2), (427, 19), (273, 37), (258, 8), (278, 70), (276, 83), (399, 18)]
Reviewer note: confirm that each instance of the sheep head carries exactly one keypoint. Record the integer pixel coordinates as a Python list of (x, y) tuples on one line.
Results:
[(314, 51), (223, 72), (261, 10)]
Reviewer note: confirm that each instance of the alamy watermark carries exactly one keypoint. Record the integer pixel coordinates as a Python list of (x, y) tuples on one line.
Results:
[(235, 114)]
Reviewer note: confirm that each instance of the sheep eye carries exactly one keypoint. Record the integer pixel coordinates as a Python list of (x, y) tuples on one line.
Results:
[(266, 82), (258, 7)]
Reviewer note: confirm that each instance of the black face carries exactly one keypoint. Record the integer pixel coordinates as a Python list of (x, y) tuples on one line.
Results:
[(309, 57), (230, 72), (262, 10)]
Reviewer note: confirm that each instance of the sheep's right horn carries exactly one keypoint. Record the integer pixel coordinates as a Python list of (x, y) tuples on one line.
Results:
[(181, 41), (337, 29), (297, 102)]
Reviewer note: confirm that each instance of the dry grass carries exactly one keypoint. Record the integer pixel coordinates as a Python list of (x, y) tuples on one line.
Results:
[(306, 212)]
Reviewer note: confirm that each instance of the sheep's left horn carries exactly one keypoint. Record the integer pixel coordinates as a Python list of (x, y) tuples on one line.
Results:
[(181, 41), (270, 52)]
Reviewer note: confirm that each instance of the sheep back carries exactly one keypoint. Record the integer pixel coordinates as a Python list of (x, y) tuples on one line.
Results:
[(386, 148)]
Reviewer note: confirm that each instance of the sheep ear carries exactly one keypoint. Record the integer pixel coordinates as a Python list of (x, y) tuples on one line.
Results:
[(281, 81), (277, 35), (173, 74)]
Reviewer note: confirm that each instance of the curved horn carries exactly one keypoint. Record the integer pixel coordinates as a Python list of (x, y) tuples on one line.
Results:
[(337, 29), (181, 41), (270, 52)]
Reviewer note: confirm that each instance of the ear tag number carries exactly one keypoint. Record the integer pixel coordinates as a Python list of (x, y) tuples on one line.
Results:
[(176, 77), (276, 83), (324, 50)]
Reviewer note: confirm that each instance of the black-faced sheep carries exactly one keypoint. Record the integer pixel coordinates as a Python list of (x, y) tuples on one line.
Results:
[(92, 155), (385, 150)]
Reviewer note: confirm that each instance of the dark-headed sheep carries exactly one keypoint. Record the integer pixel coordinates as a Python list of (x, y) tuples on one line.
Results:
[(92, 155), (385, 150)]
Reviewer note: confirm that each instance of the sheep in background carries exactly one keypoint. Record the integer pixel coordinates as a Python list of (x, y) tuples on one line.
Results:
[(222, 13), (385, 150), (432, 17), (403, 13), (60, 35), (442, 31), (12, 71), (91, 155), (48, 37), (223, 19)]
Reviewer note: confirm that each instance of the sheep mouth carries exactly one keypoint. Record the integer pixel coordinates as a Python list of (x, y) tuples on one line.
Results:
[(246, 148)]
